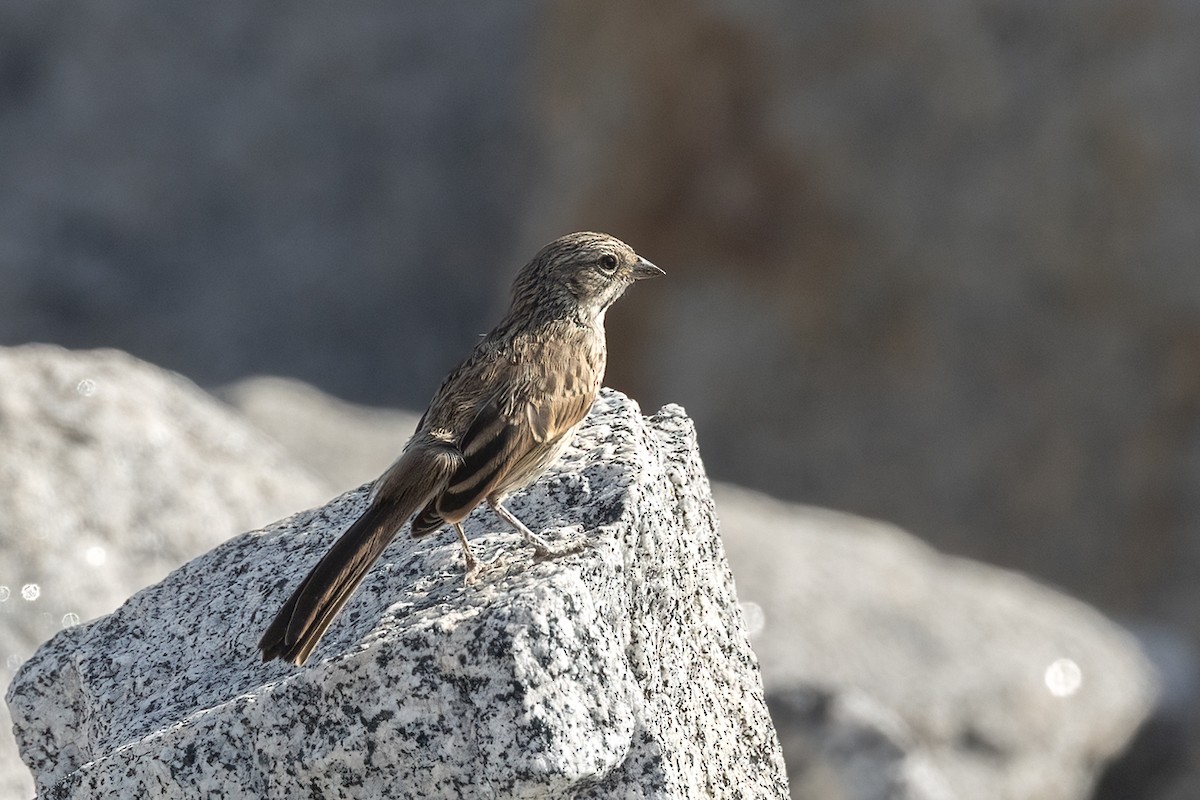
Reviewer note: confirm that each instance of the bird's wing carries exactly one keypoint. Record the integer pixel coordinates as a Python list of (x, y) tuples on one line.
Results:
[(512, 429)]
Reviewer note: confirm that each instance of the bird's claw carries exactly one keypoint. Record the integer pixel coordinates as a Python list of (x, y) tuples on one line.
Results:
[(476, 568)]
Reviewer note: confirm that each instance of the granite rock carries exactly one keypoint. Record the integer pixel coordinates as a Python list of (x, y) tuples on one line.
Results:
[(113, 472), (885, 663), (621, 671), (998, 688)]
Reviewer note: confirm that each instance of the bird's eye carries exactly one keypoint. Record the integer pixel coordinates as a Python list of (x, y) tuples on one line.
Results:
[(608, 263)]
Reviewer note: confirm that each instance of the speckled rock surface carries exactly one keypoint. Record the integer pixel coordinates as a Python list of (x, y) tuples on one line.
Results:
[(621, 671), (946, 695), (113, 472)]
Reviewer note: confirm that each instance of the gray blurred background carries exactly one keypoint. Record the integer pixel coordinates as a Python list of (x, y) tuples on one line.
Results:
[(929, 262)]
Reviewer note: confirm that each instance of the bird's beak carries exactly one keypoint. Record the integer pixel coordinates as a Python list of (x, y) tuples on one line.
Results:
[(644, 269)]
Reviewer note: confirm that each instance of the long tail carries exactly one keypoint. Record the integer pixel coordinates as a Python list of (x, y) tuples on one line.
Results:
[(418, 475)]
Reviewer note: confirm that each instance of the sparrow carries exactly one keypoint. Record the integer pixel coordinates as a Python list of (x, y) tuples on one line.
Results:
[(497, 422)]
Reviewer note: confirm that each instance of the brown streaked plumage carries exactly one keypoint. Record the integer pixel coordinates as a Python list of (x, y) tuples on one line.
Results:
[(496, 423)]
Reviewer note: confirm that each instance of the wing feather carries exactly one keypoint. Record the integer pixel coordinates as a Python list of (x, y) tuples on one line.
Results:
[(514, 436)]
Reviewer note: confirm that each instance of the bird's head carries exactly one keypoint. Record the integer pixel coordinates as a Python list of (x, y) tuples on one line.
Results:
[(581, 272)]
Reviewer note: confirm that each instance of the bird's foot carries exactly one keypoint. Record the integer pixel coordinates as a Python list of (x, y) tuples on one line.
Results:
[(477, 567)]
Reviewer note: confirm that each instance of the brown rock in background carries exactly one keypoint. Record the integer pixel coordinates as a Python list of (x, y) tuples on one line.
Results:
[(933, 264)]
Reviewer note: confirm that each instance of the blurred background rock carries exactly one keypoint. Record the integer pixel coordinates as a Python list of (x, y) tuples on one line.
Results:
[(933, 263)]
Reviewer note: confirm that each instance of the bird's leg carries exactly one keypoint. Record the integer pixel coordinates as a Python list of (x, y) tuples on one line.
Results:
[(468, 556), (473, 563), (541, 548)]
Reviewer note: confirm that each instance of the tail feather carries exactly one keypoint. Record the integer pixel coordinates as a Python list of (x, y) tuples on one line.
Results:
[(418, 475)]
